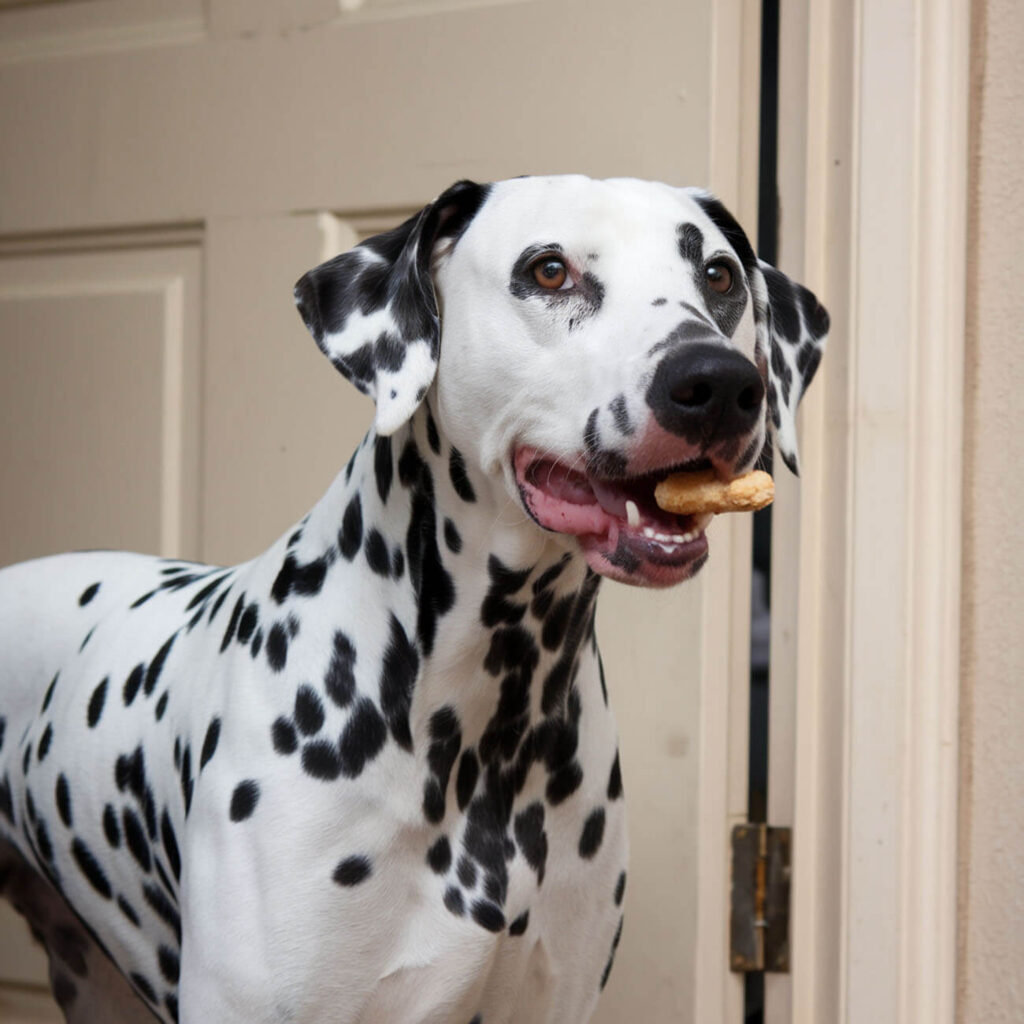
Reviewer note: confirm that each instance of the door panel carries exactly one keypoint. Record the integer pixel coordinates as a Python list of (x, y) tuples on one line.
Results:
[(98, 392)]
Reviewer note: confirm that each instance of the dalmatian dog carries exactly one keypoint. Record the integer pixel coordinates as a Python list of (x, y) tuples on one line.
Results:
[(372, 775)]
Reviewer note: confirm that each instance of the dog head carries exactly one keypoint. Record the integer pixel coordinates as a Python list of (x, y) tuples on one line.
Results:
[(584, 339)]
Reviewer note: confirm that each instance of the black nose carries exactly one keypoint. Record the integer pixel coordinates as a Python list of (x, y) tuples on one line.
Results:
[(705, 393)]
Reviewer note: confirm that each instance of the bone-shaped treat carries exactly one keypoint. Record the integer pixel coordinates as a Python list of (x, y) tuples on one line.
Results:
[(702, 492)]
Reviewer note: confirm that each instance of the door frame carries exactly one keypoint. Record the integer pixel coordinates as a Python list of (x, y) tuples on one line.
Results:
[(873, 185)]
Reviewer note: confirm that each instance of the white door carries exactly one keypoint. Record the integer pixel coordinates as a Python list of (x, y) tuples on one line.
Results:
[(170, 168)]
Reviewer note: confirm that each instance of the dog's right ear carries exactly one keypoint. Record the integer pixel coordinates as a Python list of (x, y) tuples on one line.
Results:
[(373, 312)]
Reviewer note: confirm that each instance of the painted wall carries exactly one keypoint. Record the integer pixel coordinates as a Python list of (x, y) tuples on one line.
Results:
[(991, 939)]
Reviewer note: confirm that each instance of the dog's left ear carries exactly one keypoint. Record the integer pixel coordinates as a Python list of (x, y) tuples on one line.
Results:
[(797, 328), (792, 327), (373, 312)]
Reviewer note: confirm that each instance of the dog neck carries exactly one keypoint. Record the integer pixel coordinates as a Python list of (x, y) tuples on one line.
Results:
[(492, 619)]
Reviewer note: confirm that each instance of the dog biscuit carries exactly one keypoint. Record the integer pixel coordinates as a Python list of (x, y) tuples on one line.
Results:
[(703, 492)]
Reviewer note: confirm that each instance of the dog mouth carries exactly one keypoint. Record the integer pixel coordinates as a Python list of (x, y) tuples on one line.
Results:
[(622, 531)]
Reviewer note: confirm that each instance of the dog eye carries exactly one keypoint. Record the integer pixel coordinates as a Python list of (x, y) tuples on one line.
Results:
[(551, 273), (719, 277)]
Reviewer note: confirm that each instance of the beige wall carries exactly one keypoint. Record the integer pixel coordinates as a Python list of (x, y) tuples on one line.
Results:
[(991, 961)]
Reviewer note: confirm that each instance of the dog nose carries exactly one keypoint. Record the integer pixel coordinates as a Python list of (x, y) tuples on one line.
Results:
[(706, 392)]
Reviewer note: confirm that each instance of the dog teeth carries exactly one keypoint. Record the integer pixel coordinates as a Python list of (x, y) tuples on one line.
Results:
[(670, 538), (699, 524), (632, 514)]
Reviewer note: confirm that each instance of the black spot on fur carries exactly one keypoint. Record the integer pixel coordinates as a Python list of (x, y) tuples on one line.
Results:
[(62, 796), (439, 856), (209, 742), (130, 772), (433, 801), (362, 739), (229, 632), (532, 839), (557, 622), (620, 888), (244, 799), (611, 955), (690, 240), (132, 684), (383, 467), (96, 701), (135, 838), (187, 781), (454, 902), (128, 910), (340, 680), (321, 760), (48, 696), (170, 966), (519, 925), (157, 664), (90, 867), (564, 783), (446, 741), (592, 834), (163, 907), (293, 577), (164, 879), (467, 872), (111, 829), (161, 706), (277, 647), (465, 783), (44, 742), (488, 916), (309, 711), (398, 675), (452, 537), (43, 842), (433, 584), (615, 779), (352, 871), (620, 415), (377, 554), (6, 799), (541, 604), (433, 438), (88, 594), (781, 297), (142, 985), (170, 844), (350, 537), (549, 575), (460, 481), (282, 733), (248, 622)]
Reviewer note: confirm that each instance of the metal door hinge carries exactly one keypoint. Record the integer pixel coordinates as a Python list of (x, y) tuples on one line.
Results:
[(759, 918)]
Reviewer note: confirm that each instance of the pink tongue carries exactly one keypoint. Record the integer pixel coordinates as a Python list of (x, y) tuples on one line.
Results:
[(562, 483), (612, 500), (565, 484)]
